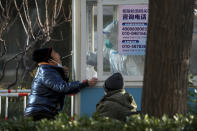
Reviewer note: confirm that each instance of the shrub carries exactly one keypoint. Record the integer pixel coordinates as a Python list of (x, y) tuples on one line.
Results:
[(133, 123), (192, 103)]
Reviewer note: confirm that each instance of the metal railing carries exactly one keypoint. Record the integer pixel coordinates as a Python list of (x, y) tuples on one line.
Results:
[(24, 93), (12, 93)]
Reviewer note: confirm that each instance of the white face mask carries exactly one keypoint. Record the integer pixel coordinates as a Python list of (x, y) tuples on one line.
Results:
[(58, 64)]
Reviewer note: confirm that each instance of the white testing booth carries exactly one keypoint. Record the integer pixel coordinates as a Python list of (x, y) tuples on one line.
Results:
[(108, 36)]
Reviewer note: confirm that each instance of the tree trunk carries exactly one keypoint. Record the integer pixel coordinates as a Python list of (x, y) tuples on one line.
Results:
[(167, 57)]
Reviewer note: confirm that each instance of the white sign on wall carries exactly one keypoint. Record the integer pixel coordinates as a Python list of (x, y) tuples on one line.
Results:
[(133, 25)]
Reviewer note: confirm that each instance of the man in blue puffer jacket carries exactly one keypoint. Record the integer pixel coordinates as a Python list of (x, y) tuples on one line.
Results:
[(50, 86)]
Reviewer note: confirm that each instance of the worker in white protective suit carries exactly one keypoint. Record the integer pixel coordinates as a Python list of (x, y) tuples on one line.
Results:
[(113, 61), (125, 64)]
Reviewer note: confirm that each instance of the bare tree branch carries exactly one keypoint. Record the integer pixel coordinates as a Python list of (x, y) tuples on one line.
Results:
[(21, 17), (8, 6), (54, 13), (47, 18), (1, 6), (16, 75), (28, 17), (4, 48), (69, 18), (38, 16), (14, 57), (59, 8), (27, 71), (25, 12), (5, 23), (7, 61)]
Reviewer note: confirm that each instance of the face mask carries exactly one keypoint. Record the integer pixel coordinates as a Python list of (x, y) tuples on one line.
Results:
[(58, 64)]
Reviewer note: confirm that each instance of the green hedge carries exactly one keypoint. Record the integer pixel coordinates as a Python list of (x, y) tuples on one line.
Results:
[(133, 123)]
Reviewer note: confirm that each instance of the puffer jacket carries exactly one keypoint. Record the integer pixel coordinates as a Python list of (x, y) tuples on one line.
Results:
[(116, 104), (49, 88)]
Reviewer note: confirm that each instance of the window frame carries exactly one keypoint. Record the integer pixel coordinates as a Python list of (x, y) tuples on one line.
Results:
[(136, 80)]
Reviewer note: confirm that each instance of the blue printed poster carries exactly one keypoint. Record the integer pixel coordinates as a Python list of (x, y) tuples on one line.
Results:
[(133, 26)]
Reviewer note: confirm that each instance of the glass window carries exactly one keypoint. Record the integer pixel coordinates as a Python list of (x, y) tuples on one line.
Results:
[(128, 65), (91, 69)]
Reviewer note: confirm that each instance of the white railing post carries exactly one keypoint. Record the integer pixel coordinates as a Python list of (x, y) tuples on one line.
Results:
[(0, 107), (6, 108), (25, 102), (72, 107)]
